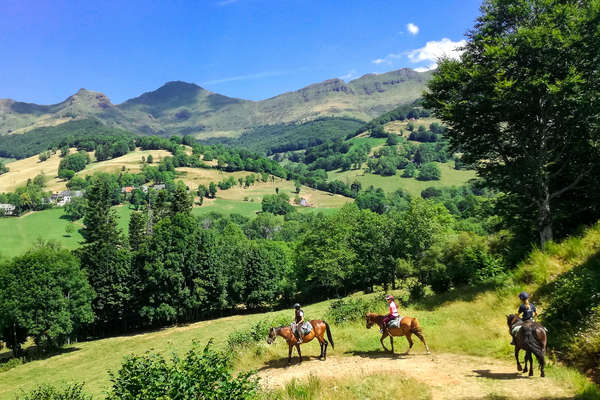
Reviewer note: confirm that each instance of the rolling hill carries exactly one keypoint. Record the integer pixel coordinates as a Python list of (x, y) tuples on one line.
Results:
[(188, 109)]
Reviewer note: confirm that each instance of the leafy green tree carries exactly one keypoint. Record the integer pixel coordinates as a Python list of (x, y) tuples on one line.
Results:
[(149, 159), (76, 208), (409, 171), (212, 190), (66, 174), (137, 230), (75, 162), (43, 156), (3, 168), (76, 183), (182, 200), (43, 294), (522, 105), (429, 172), (69, 229), (372, 199), (278, 204), (64, 151)]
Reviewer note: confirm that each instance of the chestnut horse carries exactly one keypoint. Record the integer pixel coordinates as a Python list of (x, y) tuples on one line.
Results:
[(531, 337), (318, 331), (407, 327)]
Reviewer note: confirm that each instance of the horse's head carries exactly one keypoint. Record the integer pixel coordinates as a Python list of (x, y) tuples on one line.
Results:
[(370, 320), (511, 319), (272, 335)]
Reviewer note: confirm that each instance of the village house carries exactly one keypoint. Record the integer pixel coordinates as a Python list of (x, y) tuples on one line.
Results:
[(65, 197), (7, 209)]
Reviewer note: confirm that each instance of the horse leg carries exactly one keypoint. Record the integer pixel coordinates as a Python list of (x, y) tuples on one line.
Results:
[(290, 354), (519, 368), (299, 353), (381, 340), (325, 344), (392, 343), (422, 339), (541, 360), (527, 357), (410, 342)]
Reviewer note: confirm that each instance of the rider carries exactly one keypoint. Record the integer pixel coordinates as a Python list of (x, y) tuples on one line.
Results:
[(393, 312), (527, 309), (298, 322)]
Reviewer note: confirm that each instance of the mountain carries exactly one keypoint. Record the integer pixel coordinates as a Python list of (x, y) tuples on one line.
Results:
[(187, 109)]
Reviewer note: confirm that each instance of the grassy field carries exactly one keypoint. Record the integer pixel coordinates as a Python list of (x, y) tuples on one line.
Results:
[(450, 177), (464, 323), (7, 160)]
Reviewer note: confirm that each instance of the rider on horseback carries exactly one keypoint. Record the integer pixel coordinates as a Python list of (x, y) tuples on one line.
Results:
[(393, 314), (298, 322), (527, 309)]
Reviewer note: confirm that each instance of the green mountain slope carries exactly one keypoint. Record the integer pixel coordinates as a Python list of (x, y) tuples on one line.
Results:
[(185, 108)]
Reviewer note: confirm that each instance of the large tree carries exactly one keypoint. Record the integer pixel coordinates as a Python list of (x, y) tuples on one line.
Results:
[(43, 294), (522, 105)]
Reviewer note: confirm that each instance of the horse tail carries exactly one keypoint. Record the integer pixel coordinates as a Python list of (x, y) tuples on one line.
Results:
[(531, 342), (329, 335), (415, 327)]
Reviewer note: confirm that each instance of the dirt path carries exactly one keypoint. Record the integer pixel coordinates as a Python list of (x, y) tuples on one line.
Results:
[(449, 376)]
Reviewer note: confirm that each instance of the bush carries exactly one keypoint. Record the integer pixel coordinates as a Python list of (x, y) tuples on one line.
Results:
[(46, 392), (257, 332), (429, 172), (200, 374), (349, 310)]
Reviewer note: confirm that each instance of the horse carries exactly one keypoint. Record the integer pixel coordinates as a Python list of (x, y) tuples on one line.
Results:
[(407, 327), (318, 331), (531, 337)]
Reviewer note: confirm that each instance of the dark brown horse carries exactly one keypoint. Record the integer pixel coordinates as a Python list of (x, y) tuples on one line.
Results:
[(531, 337), (318, 331), (407, 327)]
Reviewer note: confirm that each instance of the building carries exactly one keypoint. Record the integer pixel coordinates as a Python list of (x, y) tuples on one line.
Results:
[(65, 197), (127, 189), (7, 209), (159, 187)]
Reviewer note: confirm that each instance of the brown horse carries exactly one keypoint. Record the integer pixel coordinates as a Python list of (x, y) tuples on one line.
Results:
[(318, 331), (531, 337), (407, 327)]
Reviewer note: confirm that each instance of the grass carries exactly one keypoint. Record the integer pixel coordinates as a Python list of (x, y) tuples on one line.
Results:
[(19, 234), (6, 160), (375, 386), (450, 177)]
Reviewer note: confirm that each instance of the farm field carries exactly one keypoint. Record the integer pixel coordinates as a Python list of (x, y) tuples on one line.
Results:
[(450, 177)]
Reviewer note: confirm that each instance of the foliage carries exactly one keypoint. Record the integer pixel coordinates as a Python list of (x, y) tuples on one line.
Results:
[(3, 168), (200, 374), (255, 333), (278, 204), (43, 294), (429, 172), (47, 392), (514, 56), (76, 208), (74, 162), (351, 309)]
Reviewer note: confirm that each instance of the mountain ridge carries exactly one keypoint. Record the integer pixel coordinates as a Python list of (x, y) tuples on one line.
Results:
[(181, 108)]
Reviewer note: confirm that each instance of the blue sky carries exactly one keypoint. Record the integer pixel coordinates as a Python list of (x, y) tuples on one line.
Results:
[(251, 49)]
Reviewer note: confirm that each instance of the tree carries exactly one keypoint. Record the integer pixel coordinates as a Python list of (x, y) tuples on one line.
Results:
[(3, 168), (75, 162), (409, 171), (182, 201), (212, 190), (278, 204), (43, 156), (43, 294), (429, 172), (76, 208), (66, 174), (522, 105), (149, 159), (69, 229)]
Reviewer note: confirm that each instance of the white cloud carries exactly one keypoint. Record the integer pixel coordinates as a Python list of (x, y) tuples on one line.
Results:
[(259, 75), (351, 74), (434, 50), (378, 61), (425, 69), (412, 28)]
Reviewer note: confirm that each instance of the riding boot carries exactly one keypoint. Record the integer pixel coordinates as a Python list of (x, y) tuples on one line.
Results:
[(300, 339)]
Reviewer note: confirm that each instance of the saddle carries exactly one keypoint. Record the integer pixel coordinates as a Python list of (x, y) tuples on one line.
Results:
[(306, 328), (394, 323)]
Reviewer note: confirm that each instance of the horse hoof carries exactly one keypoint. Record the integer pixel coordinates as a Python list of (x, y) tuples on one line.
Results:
[(519, 368), (543, 375), (428, 353)]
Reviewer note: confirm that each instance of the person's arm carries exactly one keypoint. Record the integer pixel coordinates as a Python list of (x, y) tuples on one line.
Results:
[(301, 318)]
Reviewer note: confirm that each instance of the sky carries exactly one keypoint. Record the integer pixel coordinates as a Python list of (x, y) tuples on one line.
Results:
[(251, 49)]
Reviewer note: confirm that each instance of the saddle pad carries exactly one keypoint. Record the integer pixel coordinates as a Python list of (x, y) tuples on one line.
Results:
[(515, 330), (306, 328), (395, 323)]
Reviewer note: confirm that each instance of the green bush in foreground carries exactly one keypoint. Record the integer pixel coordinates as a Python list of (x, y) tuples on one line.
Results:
[(202, 374), (46, 392)]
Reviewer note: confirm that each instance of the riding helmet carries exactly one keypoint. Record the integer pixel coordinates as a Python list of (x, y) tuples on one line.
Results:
[(296, 305), (389, 297), (523, 295)]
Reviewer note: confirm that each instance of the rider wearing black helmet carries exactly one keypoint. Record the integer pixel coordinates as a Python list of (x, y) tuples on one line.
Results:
[(527, 309), (298, 322)]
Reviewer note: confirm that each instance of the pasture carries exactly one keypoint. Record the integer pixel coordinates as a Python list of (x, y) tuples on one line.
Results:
[(450, 177)]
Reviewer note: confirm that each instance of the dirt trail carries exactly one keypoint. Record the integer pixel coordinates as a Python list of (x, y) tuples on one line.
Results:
[(449, 376)]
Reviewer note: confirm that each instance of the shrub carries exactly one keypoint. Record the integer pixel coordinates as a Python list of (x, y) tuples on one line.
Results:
[(429, 172), (47, 392), (200, 374), (257, 332), (349, 310)]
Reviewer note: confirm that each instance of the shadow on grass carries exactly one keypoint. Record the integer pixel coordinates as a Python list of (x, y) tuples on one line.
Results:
[(486, 373), (377, 354), (283, 362)]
